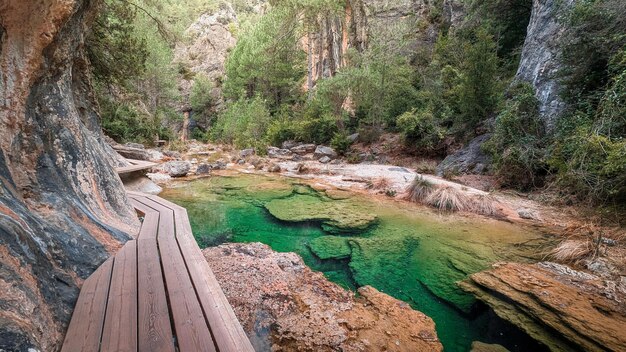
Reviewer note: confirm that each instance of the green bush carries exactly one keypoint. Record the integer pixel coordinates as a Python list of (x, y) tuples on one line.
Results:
[(316, 130), (340, 142), (200, 96), (244, 123), (124, 123), (420, 131), (517, 143)]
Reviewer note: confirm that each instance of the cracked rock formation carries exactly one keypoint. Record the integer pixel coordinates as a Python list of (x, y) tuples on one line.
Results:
[(285, 306), (565, 309), (63, 209)]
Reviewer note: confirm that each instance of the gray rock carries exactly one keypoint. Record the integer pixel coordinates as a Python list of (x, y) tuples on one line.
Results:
[(541, 58), (175, 168), (353, 137), (274, 152), (203, 169), (172, 154), (324, 160), (135, 145), (289, 144), (297, 157), (246, 152), (526, 214), (241, 161), (218, 165), (469, 160), (336, 162), (273, 168), (322, 151), (303, 149)]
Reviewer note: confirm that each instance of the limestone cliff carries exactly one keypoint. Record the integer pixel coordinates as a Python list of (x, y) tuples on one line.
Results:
[(541, 59), (62, 206)]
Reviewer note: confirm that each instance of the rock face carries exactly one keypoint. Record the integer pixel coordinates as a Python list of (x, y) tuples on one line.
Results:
[(175, 168), (63, 209), (556, 305), (284, 306), (541, 59), (469, 160)]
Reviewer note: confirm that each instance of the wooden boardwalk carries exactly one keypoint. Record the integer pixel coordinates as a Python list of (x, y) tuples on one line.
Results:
[(156, 294), (135, 165)]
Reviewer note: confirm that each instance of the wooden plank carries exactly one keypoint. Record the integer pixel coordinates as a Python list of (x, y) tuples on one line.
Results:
[(135, 165), (226, 329), (85, 329), (155, 332), (192, 331), (149, 226), (120, 325)]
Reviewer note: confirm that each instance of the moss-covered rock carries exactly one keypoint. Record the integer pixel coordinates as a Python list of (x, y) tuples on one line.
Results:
[(336, 216), (331, 247)]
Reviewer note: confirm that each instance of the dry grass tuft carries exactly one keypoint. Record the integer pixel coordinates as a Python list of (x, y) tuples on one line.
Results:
[(426, 167), (571, 251), (419, 190), (448, 198), (381, 183), (484, 204)]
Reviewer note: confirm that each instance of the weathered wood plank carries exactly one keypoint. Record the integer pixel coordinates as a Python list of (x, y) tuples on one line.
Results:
[(120, 325), (150, 224), (226, 329), (192, 331), (135, 165), (85, 329), (155, 331)]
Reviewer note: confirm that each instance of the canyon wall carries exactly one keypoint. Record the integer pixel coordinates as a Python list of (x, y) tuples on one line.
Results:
[(63, 209), (541, 61)]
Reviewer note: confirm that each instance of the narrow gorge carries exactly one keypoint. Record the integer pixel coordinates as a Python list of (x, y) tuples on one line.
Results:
[(312, 175)]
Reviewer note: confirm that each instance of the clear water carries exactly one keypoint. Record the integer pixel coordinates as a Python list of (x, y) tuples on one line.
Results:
[(410, 252)]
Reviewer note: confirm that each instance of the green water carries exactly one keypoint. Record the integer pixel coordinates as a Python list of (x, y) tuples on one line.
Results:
[(404, 250)]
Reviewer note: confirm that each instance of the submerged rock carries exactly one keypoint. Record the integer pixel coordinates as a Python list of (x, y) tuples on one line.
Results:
[(336, 216), (285, 306), (555, 304)]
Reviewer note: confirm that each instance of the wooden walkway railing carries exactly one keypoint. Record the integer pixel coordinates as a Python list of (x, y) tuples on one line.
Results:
[(135, 165), (156, 294)]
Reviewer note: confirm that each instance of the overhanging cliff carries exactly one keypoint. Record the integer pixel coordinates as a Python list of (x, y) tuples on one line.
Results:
[(63, 209)]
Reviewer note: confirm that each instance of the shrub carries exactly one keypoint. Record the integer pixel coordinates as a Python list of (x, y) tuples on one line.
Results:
[(200, 96), (340, 142), (316, 130), (517, 141), (421, 131), (244, 123), (448, 198), (125, 123), (419, 190)]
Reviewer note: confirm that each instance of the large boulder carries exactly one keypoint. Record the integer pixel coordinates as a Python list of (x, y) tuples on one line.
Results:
[(63, 208), (471, 159), (558, 306), (175, 168), (541, 60), (274, 152), (303, 149), (323, 151)]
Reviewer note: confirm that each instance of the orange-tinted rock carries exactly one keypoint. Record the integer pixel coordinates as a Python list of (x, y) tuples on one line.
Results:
[(62, 206), (285, 306), (561, 307)]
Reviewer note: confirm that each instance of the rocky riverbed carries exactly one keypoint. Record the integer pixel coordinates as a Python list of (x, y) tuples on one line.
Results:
[(285, 306)]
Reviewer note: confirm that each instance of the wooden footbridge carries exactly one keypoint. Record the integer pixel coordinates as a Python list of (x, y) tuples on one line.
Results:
[(156, 294)]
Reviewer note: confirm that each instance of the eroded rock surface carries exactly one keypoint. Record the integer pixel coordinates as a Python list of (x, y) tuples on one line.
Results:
[(541, 60), (284, 306), (63, 209), (561, 307)]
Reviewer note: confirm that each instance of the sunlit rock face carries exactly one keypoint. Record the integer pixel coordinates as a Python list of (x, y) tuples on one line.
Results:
[(63, 209), (541, 60)]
